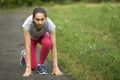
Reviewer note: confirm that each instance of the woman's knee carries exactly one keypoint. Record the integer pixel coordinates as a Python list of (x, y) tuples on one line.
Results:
[(47, 42)]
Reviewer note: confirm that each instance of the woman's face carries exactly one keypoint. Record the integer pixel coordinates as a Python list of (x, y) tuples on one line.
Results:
[(39, 20)]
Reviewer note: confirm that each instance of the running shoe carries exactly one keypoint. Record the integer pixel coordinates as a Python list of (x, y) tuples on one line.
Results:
[(42, 70), (22, 58)]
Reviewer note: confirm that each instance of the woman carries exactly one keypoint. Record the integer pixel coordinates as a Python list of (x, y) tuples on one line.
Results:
[(38, 28)]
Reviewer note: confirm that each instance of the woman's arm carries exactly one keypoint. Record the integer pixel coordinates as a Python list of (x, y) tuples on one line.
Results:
[(28, 60), (56, 70)]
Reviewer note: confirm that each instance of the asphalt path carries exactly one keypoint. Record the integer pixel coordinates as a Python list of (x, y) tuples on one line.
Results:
[(11, 44)]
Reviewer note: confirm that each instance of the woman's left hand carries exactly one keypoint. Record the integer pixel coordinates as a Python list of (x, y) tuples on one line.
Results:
[(56, 71)]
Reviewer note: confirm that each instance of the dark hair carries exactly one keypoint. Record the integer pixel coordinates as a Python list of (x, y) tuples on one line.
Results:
[(39, 10)]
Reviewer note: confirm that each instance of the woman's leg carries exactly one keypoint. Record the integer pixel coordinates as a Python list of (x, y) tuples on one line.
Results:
[(45, 48), (33, 54)]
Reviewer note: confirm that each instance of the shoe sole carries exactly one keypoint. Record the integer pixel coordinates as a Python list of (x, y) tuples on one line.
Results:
[(44, 73)]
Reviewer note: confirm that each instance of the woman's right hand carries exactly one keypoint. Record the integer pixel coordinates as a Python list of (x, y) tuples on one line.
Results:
[(27, 72)]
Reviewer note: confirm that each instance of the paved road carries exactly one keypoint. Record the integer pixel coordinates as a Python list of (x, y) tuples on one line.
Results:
[(11, 43)]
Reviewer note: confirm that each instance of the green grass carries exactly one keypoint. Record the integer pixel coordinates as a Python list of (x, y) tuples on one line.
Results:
[(88, 40)]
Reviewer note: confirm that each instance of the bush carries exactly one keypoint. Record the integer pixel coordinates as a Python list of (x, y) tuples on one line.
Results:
[(14, 3), (17, 3)]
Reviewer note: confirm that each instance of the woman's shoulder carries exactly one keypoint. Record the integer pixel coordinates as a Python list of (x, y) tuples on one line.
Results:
[(30, 17), (49, 21), (29, 20)]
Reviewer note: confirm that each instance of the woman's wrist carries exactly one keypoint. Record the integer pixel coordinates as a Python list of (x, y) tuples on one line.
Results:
[(28, 66), (54, 66)]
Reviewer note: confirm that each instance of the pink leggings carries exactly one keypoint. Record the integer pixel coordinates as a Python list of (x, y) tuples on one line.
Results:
[(45, 41)]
